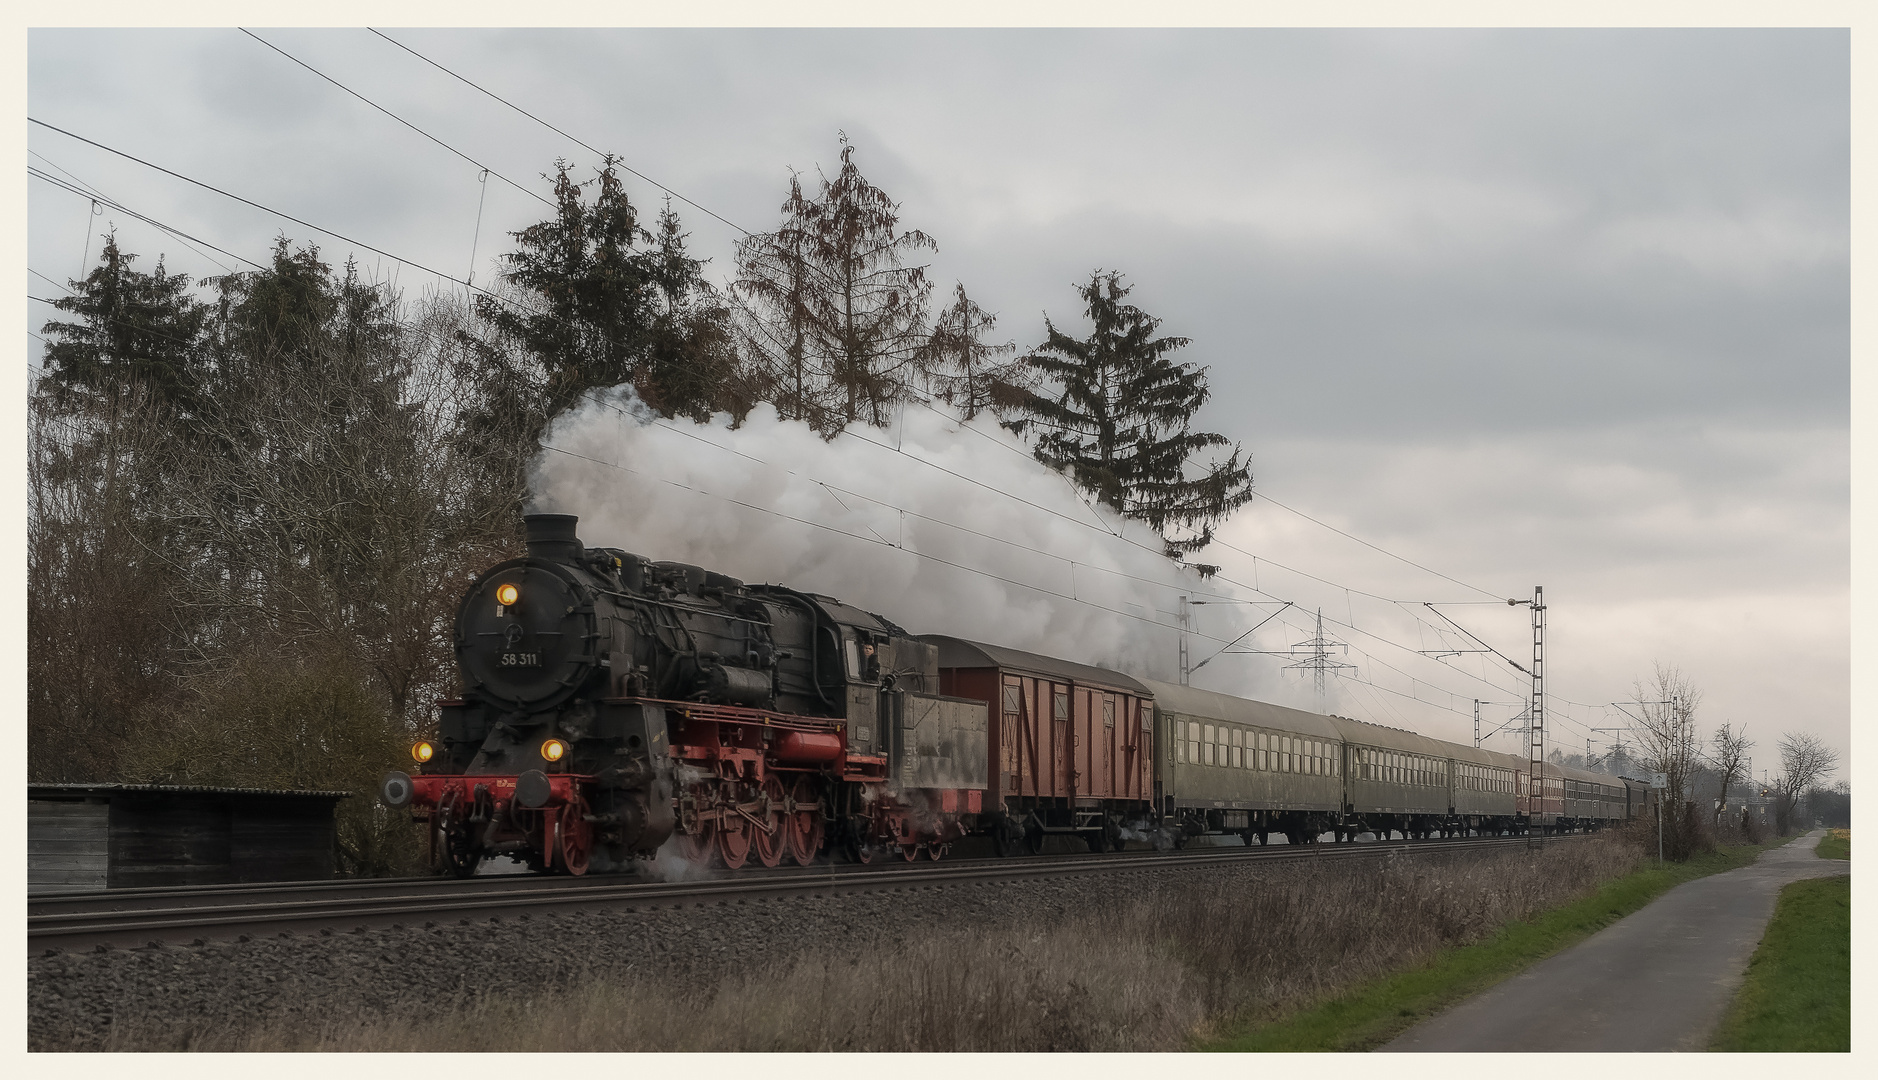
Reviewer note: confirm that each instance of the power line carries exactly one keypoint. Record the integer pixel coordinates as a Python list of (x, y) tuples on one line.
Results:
[(589, 147), (271, 210), (592, 149), (914, 457), (1373, 547), (897, 450), (664, 426), (524, 190), (107, 318), (857, 536), (120, 207), (84, 189)]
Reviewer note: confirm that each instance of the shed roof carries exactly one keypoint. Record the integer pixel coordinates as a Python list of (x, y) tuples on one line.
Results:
[(1206, 704), (959, 653), (83, 790)]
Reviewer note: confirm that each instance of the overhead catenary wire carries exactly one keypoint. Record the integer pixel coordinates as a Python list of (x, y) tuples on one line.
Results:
[(84, 190), (864, 539), (531, 193), (448, 277), (588, 146), (277, 213), (914, 457), (1373, 547), (1113, 532)]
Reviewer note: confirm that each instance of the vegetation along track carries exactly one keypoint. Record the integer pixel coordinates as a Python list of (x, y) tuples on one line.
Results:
[(133, 917)]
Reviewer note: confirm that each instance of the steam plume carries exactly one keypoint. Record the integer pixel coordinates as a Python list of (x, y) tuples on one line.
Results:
[(890, 509)]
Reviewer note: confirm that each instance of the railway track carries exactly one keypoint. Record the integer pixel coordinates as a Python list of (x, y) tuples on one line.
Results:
[(136, 917)]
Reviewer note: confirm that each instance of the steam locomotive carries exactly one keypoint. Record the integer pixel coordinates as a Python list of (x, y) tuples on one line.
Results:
[(611, 704)]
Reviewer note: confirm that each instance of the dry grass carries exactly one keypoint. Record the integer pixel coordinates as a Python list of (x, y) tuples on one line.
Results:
[(1148, 974)]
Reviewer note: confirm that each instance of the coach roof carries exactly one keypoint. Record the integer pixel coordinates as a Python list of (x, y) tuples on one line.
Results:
[(959, 653), (1207, 705)]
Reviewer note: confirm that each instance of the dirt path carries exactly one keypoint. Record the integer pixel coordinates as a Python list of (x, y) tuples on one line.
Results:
[(1659, 979)]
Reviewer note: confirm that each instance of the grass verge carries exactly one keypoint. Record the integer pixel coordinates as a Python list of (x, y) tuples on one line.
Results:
[(1798, 993), (1836, 844), (1377, 1011)]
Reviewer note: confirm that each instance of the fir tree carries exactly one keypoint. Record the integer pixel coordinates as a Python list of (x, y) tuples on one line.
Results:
[(613, 302), (133, 329), (1117, 418)]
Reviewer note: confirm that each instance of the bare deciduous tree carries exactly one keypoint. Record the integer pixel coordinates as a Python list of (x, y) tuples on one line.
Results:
[(1728, 756), (1669, 745), (830, 307), (1805, 759), (964, 370)]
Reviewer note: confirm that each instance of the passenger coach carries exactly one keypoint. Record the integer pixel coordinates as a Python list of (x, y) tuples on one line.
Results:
[(1229, 764)]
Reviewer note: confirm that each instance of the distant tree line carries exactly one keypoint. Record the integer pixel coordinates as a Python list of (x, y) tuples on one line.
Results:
[(252, 499)]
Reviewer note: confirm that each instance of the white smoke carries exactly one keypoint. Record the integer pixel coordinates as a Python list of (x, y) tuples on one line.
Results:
[(1039, 570)]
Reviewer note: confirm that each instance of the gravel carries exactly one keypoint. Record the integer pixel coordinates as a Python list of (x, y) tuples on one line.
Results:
[(120, 998)]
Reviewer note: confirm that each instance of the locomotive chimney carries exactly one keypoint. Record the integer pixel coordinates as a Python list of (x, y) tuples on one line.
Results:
[(551, 536)]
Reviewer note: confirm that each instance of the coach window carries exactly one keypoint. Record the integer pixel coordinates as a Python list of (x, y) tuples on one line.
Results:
[(1206, 741), (1261, 752), (1180, 741), (1238, 748)]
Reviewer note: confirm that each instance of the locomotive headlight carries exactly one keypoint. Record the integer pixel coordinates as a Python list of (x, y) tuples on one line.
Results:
[(423, 752), (507, 594), (553, 750)]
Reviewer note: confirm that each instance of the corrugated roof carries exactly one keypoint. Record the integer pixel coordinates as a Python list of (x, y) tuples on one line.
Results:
[(959, 653), (173, 789)]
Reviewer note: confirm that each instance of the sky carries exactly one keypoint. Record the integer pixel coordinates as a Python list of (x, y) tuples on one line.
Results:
[(1488, 309)]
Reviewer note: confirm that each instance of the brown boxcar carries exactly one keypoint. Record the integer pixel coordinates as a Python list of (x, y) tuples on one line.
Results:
[(1070, 746)]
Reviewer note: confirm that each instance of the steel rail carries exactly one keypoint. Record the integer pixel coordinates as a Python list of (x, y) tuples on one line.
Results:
[(231, 910)]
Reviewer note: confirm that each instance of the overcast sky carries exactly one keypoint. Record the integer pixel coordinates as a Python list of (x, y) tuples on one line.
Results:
[(1566, 308)]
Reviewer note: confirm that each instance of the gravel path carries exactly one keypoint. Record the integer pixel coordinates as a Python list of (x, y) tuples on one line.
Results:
[(74, 999)]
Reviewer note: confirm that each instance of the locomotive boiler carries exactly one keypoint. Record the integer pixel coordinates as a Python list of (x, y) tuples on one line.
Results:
[(611, 703)]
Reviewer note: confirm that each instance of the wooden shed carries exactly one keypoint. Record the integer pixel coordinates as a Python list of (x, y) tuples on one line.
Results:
[(118, 836)]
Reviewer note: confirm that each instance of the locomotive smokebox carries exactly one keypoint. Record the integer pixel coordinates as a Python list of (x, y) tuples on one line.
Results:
[(551, 536)]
